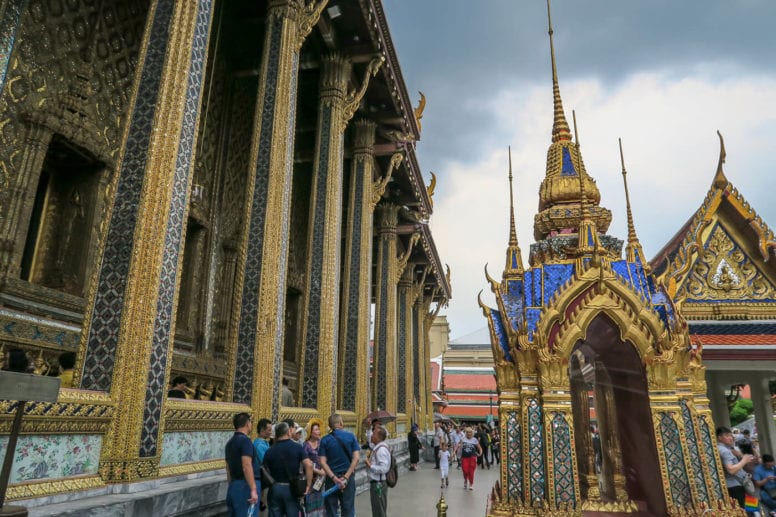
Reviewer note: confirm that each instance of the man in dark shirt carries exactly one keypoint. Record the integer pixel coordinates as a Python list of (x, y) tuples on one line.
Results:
[(283, 460), (242, 490), (339, 453)]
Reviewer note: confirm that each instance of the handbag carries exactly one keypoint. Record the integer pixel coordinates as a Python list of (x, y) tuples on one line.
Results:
[(748, 485), (298, 485), (771, 492)]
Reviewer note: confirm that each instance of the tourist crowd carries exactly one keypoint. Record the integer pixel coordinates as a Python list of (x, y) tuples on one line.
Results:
[(750, 477)]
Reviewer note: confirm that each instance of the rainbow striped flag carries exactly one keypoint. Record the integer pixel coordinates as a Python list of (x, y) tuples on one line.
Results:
[(751, 503)]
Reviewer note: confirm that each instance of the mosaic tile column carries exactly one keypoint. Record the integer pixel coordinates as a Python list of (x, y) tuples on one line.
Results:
[(669, 430), (127, 333), (407, 295), (321, 319), (419, 365), (321, 298), (263, 255), (357, 275), (428, 383), (384, 360), (560, 462), (10, 18)]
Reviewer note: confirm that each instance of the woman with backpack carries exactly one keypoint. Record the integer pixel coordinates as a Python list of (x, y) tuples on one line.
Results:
[(470, 450)]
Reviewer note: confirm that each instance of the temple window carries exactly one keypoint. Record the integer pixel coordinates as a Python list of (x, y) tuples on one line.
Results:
[(62, 225)]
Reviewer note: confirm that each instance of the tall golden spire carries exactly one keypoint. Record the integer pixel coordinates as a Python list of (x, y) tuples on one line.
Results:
[(514, 265), (560, 128), (560, 195), (633, 250)]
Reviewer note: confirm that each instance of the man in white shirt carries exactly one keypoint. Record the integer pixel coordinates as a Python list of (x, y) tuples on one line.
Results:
[(378, 463)]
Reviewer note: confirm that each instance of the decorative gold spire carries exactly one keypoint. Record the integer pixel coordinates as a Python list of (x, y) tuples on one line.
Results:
[(514, 265), (560, 128), (633, 250), (560, 204), (588, 232), (720, 180), (512, 232)]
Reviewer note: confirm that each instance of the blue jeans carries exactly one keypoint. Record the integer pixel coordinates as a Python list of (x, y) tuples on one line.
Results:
[(767, 500), (237, 495), (281, 502), (345, 500)]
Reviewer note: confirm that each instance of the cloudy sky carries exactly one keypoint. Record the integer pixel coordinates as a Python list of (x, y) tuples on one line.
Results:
[(663, 75)]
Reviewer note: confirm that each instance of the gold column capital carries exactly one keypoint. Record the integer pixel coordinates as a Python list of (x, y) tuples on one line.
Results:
[(304, 14), (387, 218), (364, 137), (335, 73)]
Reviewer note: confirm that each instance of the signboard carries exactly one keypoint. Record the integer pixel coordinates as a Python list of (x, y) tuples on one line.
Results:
[(29, 387)]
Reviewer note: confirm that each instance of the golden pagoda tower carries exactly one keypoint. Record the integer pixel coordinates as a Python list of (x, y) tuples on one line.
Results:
[(602, 398)]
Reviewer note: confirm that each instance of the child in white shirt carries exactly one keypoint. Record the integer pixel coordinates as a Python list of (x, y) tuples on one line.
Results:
[(444, 463)]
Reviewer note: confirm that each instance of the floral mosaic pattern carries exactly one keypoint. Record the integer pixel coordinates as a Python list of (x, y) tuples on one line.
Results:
[(185, 447), (54, 456), (514, 457)]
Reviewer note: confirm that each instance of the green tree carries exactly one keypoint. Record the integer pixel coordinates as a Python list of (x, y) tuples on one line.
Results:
[(741, 411)]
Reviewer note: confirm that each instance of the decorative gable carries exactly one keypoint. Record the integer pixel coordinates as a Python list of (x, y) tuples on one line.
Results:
[(725, 273)]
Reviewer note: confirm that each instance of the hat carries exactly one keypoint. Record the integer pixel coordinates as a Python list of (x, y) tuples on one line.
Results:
[(310, 423)]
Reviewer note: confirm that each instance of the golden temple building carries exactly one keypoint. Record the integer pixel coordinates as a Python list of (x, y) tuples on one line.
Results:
[(586, 329), (222, 191)]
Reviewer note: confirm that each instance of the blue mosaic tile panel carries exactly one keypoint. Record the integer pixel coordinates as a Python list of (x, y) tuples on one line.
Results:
[(513, 302), (318, 231), (514, 457), (501, 333), (102, 335), (672, 448), (528, 287), (382, 325), (401, 357), (562, 461), (160, 345), (354, 294), (710, 454), (9, 25), (620, 267), (246, 332), (555, 275), (532, 318), (694, 451), (535, 451), (538, 273), (567, 168)]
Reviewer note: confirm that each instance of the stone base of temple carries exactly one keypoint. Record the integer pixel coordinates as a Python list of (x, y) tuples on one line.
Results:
[(602, 509), (200, 495)]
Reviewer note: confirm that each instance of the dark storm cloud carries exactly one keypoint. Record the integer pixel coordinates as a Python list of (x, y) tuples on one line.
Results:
[(462, 53)]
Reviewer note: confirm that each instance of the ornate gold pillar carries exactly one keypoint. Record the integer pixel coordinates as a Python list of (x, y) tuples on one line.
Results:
[(364, 193), (262, 261), (671, 449), (428, 320), (404, 360), (384, 359), (420, 365), (127, 336), (321, 317), (562, 483)]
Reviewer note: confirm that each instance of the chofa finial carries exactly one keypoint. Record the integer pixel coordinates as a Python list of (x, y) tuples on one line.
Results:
[(720, 180)]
